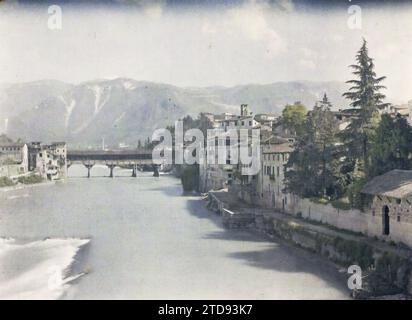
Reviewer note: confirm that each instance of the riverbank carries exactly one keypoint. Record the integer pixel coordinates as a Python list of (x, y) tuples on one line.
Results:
[(386, 268), (21, 186)]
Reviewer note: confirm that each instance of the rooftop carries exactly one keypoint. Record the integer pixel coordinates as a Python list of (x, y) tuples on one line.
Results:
[(395, 184), (279, 148), (12, 144), (275, 140)]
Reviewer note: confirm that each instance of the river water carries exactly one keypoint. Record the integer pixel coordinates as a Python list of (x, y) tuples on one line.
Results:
[(148, 241)]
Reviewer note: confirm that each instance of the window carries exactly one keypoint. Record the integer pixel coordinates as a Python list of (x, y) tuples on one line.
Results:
[(278, 171), (399, 218), (250, 123), (243, 123)]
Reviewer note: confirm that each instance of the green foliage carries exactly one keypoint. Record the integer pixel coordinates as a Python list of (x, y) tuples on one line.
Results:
[(366, 98), (294, 118), (364, 92), (6, 182), (356, 198), (392, 146), (330, 164), (31, 179), (315, 162), (340, 204), (391, 275), (189, 177), (354, 251), (319, 200)]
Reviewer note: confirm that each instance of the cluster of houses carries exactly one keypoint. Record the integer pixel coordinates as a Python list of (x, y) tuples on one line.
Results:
[(19, 159), (389, 216)]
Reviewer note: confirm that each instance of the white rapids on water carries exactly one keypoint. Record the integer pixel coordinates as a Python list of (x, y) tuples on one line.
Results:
[(36, 270)]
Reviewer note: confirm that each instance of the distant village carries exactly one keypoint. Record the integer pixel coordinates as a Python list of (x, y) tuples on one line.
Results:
[(21, 161)]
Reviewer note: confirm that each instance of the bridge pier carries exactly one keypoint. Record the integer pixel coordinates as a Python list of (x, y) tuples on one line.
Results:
[(111, 167), (134, 171), (155, 171), (89, 167)]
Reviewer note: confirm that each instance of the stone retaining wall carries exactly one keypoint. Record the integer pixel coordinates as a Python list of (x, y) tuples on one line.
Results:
[(352, 220)]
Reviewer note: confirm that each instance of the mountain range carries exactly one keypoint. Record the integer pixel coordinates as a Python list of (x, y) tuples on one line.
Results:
[(124, 110)]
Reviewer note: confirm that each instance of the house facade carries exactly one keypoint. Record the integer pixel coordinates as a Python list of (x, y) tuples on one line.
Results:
[(217, 172), (390, 214), (51, 161), (275, 153), (14, 159)]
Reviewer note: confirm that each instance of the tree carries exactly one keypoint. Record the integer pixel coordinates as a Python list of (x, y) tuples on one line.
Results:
[(366, 99), (323, 126), (392, 146), (294, 117), (314, 163)]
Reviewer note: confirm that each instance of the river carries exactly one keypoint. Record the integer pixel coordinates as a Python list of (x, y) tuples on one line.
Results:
[(148, 241)]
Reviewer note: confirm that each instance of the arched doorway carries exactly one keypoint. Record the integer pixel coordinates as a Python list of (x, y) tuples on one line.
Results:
[(385, 220)]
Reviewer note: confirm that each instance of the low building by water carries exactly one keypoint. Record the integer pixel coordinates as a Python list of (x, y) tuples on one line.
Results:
[(13, 158), (51, 161), (390, 213)]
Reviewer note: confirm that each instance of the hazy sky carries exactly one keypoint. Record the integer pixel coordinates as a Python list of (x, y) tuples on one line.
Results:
[(201, 45)]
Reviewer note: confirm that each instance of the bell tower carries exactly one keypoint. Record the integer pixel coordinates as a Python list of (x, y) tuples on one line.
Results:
[(244, 110)]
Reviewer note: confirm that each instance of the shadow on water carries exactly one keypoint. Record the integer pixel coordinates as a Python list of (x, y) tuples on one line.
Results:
[(275, 254), (197, 208), (173, 190)]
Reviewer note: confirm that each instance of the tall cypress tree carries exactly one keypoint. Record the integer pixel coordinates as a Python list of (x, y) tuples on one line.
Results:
[(367, 100)]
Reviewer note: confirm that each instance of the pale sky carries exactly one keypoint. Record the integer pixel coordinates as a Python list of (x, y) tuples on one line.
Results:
[(239, 42)]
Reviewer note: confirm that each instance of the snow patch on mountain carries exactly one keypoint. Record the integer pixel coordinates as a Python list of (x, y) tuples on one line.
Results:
[(100, 92), (128, 85), (69, 109)]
